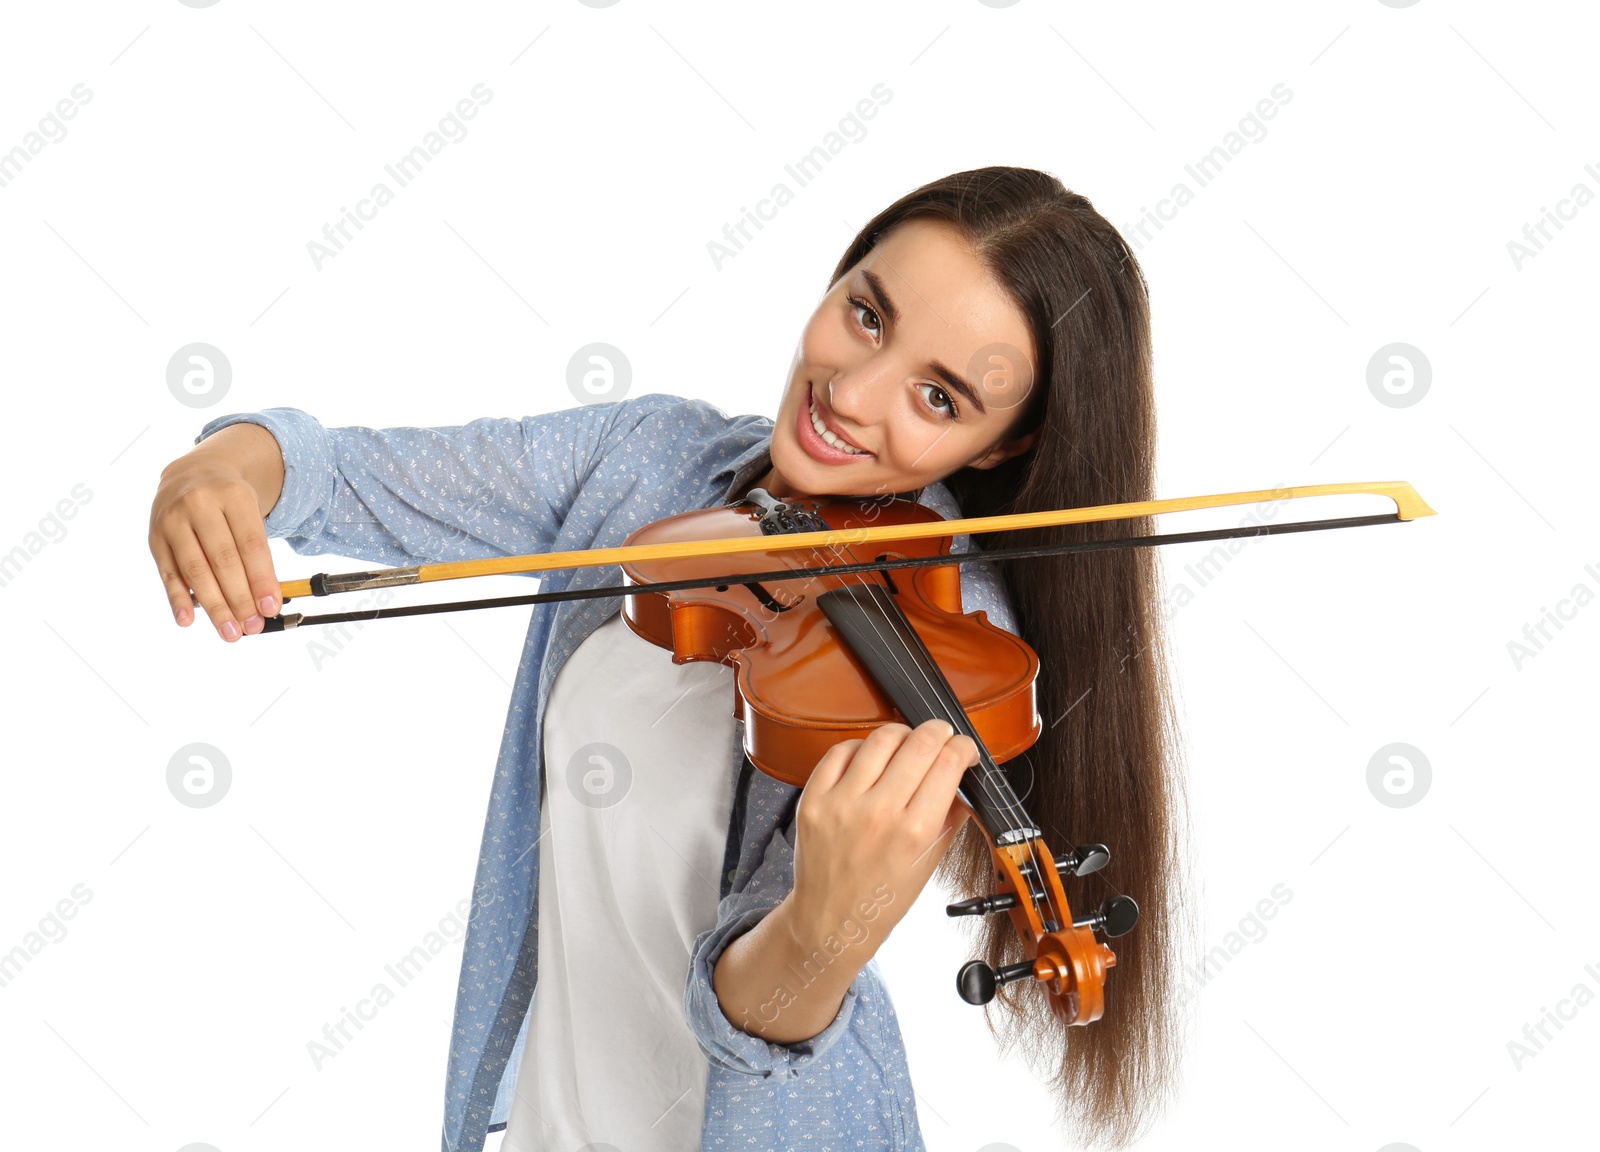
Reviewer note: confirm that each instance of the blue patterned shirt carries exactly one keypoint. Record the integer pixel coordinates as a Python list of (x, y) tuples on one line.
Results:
[(586, 478)]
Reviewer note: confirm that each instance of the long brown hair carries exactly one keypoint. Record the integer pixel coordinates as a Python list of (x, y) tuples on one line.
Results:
[(1105, 768)]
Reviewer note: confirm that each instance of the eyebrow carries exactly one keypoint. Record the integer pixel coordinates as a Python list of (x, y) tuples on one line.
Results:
[(955, 383)]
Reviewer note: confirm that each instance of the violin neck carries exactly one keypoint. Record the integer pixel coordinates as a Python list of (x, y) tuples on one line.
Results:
[(877, 631)]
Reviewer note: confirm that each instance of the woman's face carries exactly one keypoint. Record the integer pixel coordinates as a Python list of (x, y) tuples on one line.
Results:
[(916, 363)]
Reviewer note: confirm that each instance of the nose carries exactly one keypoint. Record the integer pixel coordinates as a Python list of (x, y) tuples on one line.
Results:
[(849, 395)]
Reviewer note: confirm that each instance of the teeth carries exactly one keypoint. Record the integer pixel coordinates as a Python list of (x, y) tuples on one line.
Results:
[(828, 437)]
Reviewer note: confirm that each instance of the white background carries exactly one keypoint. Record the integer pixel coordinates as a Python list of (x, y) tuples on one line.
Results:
[(1376, 209)]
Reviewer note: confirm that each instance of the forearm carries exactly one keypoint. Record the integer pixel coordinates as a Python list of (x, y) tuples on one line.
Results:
[(255, 453), (785, 983)]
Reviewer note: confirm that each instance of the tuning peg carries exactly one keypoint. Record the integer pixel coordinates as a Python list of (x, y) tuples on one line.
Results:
[(1084, 859), (1115, 917), (982, 905), (976, 981)]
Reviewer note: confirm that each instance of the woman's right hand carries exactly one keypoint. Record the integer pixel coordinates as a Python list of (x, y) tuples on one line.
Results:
[(208, 532)]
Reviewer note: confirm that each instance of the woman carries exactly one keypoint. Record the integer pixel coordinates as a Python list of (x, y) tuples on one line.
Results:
[(984, 346)]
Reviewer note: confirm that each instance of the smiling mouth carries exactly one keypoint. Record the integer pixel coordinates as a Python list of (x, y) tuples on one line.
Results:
[(828, 436)]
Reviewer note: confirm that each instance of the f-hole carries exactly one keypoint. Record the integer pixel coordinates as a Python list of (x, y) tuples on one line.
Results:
[(888, 576), (765, 597)]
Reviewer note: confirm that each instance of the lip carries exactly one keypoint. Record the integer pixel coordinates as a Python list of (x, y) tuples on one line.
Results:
[(818, 448)]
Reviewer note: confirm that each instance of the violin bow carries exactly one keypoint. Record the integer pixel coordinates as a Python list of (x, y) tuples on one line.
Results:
[(1408, 506)]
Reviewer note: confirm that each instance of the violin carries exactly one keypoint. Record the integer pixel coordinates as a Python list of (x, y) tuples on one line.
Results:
[(826, 658), (832, 634)]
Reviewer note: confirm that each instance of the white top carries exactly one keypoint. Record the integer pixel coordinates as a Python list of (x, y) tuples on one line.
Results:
[(637, 798)]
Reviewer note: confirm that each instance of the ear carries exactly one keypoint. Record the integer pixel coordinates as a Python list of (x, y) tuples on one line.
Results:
[(1005, 450)]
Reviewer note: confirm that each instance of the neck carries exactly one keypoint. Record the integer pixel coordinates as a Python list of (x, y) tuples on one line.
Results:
[(772, 481)]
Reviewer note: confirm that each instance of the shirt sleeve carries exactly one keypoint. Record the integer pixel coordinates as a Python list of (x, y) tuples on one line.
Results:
[(720, 1039), (399, 496)]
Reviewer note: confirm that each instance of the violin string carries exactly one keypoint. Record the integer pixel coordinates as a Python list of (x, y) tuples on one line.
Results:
[(998, 793)]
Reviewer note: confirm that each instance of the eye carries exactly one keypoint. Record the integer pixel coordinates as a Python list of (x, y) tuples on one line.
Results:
[(858, 305), (943, 403)]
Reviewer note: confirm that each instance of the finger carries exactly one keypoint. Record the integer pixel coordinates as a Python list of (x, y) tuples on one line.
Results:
[(178, 594), (939, 785), (832, 765), (228, 566), (867, 765), (250, 533), (196, 569), (913, 759)]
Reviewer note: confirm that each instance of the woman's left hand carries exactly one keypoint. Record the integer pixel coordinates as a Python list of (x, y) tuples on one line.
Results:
[(874, 819)]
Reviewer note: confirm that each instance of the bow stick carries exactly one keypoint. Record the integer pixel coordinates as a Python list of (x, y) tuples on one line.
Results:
[(1408, 506)]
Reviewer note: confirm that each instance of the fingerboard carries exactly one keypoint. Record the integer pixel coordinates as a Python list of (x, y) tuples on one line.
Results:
[(872, 625)]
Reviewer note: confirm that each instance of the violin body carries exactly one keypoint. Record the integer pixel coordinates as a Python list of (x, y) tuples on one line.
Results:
[(799, 689)]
